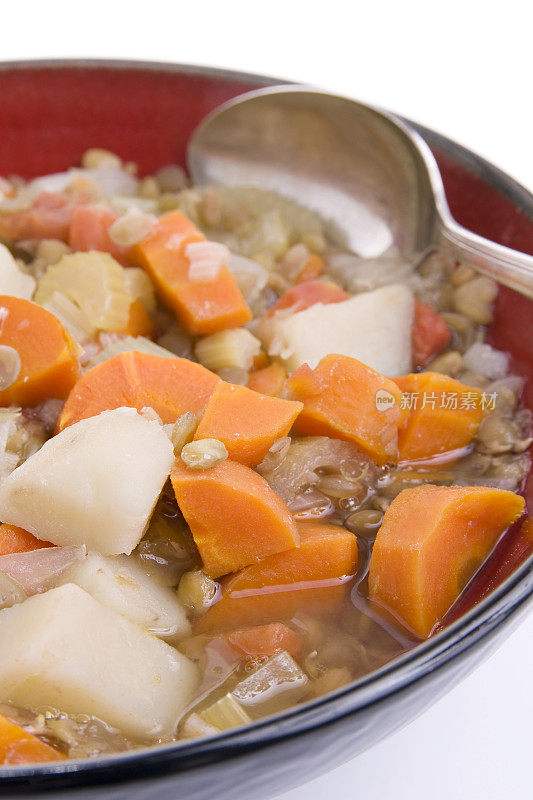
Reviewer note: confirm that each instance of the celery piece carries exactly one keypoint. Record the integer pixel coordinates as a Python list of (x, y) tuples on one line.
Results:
[(234, 347), (127, 344), (71, 317), (224, 714), (95, 282), (273, 687), (194, 727)]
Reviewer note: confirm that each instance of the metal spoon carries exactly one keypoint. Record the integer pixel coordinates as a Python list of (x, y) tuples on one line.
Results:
[(365, 171)]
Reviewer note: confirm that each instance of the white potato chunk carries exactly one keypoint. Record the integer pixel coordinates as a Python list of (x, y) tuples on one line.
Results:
[(13, 281), (122, 584), (374, 327), (64, 649), (95, 483)]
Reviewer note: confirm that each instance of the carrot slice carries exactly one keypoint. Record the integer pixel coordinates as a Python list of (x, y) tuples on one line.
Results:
[(17, 746), (89, 230), (306, 294), (202, 307), (171, 386), (48, 353), (265, 640), (139, 322), (247, 422), (269, 380), (444, 414), (235, 517), (430, 333), (312, 577), (345, 399), (47, 218), (17, 540), (431, 542)]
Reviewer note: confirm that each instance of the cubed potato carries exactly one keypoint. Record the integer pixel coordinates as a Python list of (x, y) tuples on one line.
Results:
[(122, 584), (95, 483), (373, 327), (64, 649)]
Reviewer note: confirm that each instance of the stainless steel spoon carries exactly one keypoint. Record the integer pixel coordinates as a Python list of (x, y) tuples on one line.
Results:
[(365, 171)]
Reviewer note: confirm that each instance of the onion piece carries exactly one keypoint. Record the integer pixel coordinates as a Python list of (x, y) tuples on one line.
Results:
[(10, 366), (38, 570), (206, 260), (10, 591)]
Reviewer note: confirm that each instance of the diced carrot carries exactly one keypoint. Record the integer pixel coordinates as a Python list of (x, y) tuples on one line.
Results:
[(260, 361), (265, 640), (47, 218), (431, 542), (313, 268), (202, 307), (235, 517), (444, 414), (139, 323), (430, 333), (19, 747), (306, 294), (312, 577), (171, 386), (345, 399), (48, 353), (247, 422), (269, 380), (89, 230), (17, 540)]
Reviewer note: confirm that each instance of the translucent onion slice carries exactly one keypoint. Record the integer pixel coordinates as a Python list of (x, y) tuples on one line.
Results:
[(251, 277), (206, 260), (10, 592), (95, 282), (126, 345), (38, 570)]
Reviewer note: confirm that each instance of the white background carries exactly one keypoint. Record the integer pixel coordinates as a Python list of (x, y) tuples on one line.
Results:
[(463, 68)]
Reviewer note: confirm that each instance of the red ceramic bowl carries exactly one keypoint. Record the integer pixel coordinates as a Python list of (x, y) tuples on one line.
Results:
[(50, 112)]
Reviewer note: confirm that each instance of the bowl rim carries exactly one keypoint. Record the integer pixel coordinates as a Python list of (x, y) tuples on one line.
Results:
[(508, 600)]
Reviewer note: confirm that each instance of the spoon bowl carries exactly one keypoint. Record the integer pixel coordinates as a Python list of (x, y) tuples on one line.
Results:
[(369, 175)]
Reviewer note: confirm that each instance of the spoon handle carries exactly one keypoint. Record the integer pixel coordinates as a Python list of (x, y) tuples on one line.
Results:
[(507, 266)]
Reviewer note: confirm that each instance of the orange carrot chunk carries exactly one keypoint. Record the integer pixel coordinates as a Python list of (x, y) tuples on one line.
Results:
[(345, 399), (17, 540), (312, 577), (202, 307), (268, 380), (430, 333), (19, 747), (248, 423), (431, 542), (265, 640), (306, 294), (444, 414), (89, 230), (47, 218), (171, 386), (139, 322), (48, 354), (235, 517)]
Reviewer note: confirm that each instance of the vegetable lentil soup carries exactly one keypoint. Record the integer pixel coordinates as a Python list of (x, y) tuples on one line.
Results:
[(239, 467)]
